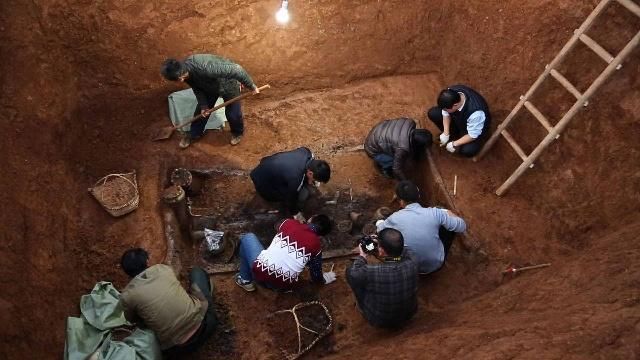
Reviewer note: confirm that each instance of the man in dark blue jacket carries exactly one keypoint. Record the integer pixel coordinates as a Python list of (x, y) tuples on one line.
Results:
[(286, 177)]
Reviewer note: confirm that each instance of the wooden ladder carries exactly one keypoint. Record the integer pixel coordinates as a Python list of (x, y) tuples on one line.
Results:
[(614, 63)]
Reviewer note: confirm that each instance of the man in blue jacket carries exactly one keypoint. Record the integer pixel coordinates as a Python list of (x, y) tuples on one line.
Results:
[(211, 77), (286, 177)]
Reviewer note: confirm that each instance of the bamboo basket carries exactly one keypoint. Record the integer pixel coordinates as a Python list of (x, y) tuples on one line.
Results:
[(117, 193)]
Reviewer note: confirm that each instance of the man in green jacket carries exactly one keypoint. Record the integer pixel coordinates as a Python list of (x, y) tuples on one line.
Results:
[(181, 321), (210, 77)]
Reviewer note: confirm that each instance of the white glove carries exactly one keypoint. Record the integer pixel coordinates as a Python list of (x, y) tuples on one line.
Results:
[(329, 277), (451, 148), (299, 217), (444, 138)]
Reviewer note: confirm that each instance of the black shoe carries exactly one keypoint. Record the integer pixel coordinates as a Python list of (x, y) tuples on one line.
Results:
[(388, 173)]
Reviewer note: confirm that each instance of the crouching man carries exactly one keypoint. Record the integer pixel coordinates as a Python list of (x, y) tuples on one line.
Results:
[(463, 117), (278, 267), (288, 177), (182, 322), (386, 293), (392, 142), (429, 231)]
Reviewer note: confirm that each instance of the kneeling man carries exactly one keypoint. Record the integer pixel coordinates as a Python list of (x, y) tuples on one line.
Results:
[(429, 232), (391, 142), (296, 246), (181, 321)]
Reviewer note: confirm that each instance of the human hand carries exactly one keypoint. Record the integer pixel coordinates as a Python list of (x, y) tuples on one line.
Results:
[(451, 148), (329, 277), (299, 217), (204, 113), (362, 253), (444, 138), (256, 90)]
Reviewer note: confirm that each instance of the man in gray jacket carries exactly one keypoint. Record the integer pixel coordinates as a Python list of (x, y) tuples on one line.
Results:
[(428, 232), (391, 142), (210, 77)]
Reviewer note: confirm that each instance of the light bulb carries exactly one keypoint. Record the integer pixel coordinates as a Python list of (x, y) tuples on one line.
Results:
[(282, 16)]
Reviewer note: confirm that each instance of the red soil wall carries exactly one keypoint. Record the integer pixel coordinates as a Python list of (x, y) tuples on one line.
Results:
[(80, 89)]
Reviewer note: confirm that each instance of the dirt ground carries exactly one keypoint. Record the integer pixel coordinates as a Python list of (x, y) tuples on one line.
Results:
[(81, 95)]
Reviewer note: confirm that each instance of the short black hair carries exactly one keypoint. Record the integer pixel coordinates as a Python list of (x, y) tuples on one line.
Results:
[(447, 98), (134, 261), (391, 241), (435, 114), (421, 140), (407, 191), (321, 170), (172, 69), (322, 223)]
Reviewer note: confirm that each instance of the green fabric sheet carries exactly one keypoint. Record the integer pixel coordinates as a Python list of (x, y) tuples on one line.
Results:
[(89, 336)]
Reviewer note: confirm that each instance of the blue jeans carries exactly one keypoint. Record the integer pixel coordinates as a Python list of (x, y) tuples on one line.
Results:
[(250, 248), (384, 162)]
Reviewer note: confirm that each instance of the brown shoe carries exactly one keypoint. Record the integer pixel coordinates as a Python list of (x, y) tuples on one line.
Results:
[(185, 142), (235, 139)]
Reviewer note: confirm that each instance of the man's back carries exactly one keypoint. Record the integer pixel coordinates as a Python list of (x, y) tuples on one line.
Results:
[(157, 297), (389, 135), (420, 227), (279, 176), (386, 292), (291, 250), (216, 75)]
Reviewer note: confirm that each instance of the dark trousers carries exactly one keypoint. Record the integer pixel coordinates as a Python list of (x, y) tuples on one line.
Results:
[(469, 149), (209, 323), (384, 163), (446, 237), (233, 112)]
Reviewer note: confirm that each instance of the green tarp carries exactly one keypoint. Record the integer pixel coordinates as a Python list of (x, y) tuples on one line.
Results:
[(101, 313), (183, 103)]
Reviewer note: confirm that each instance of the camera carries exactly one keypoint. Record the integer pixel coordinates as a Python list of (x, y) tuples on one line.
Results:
[(368, 244)]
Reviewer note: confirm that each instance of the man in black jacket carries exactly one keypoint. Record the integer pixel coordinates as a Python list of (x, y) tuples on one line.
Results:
[(210, 77), (391, 142), (463, 117), (286, 176)]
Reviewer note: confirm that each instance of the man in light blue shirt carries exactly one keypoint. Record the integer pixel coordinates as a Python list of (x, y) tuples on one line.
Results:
[(428, 232)]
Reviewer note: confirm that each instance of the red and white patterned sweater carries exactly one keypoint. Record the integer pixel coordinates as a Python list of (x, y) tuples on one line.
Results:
[(292, 248)]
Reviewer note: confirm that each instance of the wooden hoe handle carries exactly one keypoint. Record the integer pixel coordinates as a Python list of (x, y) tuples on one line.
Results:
[(239, 97)]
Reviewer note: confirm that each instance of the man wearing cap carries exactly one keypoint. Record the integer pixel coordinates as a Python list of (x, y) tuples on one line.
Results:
[(463, 117)]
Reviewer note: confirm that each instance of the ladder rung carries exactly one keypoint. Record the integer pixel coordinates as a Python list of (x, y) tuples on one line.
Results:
[(631, 6), (538, 115), (514, 144), (604, 54), (567, 85)]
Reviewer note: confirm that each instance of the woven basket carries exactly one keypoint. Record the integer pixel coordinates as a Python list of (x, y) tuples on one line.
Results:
[(117, 193)]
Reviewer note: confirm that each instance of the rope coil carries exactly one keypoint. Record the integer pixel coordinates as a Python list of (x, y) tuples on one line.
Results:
[(320, 334)]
